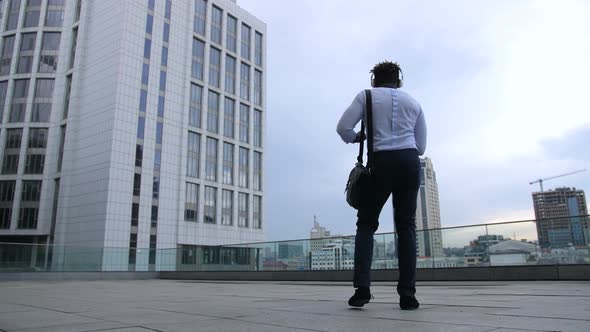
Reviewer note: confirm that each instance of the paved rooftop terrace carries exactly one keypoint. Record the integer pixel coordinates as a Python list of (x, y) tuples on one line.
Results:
[(168, 305)]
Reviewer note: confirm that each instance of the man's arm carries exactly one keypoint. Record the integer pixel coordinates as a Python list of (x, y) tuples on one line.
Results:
[(420, 133), (352, 116)]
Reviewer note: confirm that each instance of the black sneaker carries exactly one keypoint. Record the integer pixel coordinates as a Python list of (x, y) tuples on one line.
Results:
[(408, 303), (361, 297)]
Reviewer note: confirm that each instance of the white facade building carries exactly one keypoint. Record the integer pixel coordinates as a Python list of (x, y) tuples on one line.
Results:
[(336, 255), (129, 127), (429, 243)]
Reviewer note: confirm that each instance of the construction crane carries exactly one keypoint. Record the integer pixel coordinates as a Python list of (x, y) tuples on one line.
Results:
[(540, 181)]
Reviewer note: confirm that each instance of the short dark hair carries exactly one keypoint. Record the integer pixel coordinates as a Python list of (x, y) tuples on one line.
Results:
[(386, 72)]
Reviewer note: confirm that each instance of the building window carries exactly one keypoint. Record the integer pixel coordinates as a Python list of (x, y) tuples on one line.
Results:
[(231, 41), (214, 67), (36, 150), (12, 151), (155, 192), (194, 152), (245, 81), (227, 207), (230, 74), (151, 4), (55, 13), (257, 128), (6, 200), (49, 52), (245, 42), (1, 11), (78, 10), (244, 123), (32, 13), (191, 202), (157, 159), (228, 163), (73, 48), (43, 98), (140, 127), (257, 170), (67, 96), (216, 17), (243, 168), (27, 50), (147, 48), (213, 112), (162, 81), (134, 214), (195, 106), (257, 212), (200, 16), (198, 59), (210, 205), (211, 160), (258, 49), (19, 101), (258, 87), (145, 75), (229, 117), (7, 50), (243, 210), (13, 13), (3, 92), (29, 208), (62, 140), (168, 9), (136, 184), (166, 37)]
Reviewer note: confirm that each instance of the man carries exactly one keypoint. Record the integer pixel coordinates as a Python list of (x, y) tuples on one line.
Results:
[(399, 139)]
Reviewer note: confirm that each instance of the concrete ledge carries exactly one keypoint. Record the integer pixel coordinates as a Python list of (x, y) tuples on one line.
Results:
[(56, 276), (494, 273), (573, 272)]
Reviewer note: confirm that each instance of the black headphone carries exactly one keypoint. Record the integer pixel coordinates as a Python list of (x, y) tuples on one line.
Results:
[(400, 80)]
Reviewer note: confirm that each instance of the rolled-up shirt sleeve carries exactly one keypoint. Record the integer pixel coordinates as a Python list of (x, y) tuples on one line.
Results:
[(420, 133), (350, 118)]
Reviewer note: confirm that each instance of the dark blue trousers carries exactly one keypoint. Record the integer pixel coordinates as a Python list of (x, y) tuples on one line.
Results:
[(395, 173)]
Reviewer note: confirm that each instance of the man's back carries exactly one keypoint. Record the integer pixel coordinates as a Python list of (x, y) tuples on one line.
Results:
[(398, 120)]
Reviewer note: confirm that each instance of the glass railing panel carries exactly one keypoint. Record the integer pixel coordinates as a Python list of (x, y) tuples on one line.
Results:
[(461, 247), (512, 244), (379, 253), (564, 240), (333, 253), (390, 240), (293, 255)]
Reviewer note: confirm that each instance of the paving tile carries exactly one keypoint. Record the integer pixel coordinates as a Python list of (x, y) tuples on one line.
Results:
[(40, 318), (77, 327)]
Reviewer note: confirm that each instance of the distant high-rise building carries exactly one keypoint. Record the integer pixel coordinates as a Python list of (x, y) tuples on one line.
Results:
[(428, 213), (318, 232), (318, 235), (557, 213)]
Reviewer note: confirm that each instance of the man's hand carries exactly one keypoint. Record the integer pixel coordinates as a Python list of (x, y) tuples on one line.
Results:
[(360, 136)]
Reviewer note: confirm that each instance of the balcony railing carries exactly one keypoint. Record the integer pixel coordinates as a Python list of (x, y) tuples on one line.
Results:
[(555, 241)]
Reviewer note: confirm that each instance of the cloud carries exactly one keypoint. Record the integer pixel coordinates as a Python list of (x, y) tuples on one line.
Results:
[(502, 85)]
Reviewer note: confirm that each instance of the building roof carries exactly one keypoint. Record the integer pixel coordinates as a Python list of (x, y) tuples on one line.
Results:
[(512, 247)]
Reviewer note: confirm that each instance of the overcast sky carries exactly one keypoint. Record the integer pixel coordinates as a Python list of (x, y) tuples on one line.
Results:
[(504, 86)]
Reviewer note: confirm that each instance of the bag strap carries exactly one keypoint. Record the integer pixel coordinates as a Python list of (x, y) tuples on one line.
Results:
[(359, 159), (369, 106), (369, 135)]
